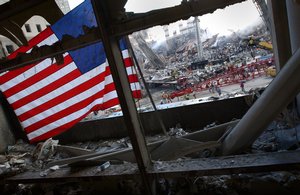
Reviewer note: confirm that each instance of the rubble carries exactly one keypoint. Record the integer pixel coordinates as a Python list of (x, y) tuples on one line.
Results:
[(45, 172), (278, 136), (20, 158), (179, 77), (221, 52), (45, 150), (177, 131)]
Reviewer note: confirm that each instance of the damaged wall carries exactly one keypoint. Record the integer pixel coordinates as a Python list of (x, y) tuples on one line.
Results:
[(6, 136), (193, 117)]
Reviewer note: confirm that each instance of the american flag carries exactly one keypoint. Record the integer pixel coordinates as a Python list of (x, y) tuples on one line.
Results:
[(49, 98)]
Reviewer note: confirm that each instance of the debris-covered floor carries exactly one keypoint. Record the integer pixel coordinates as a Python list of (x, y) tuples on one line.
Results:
[(22, 157), (265, 183)]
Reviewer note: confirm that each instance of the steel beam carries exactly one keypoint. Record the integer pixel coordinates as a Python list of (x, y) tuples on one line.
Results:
[(168, 15), (250, 163), (280, 32), (157, 115), (10, 9), (205, 135), (273, 100), (46, 51), (119, 74), (293, 8)]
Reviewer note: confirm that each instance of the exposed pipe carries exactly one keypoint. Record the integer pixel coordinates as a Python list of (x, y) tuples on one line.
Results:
[(273, 100)]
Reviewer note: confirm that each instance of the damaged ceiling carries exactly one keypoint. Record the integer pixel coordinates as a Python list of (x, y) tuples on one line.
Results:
[(118, 23)]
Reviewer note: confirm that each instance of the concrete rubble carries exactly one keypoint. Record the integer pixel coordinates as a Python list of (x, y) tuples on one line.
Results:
[(278, 136), (219, 52)]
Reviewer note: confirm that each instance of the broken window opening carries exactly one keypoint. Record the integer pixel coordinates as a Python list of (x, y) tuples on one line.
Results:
[(10, 48), (27, 28), (39, 28)]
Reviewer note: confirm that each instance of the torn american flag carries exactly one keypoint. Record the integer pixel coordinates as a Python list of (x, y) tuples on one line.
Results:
[(49, 98)]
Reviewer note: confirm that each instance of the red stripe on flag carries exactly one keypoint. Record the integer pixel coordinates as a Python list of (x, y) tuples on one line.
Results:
[(110, 103), (133, 78), (45, 90), (137, 94), (37, 77), (128, 62)]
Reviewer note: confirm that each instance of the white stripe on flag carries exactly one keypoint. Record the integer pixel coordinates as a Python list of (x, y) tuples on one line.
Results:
[(3, 73), (130, 71), (125, 54), (135, 86)]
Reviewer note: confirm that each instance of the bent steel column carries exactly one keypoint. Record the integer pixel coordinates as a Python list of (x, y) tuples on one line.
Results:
[(131, 117), (278, 94), (280, 32), (293, 8), (293, 13)]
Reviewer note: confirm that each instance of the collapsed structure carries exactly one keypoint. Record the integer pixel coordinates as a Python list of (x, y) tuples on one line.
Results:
[(229, 138)]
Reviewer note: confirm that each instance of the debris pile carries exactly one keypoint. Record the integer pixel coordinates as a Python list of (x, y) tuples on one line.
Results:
[(17, 159), (25, 157), (220, 53), (177, 131), (265, 183)]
